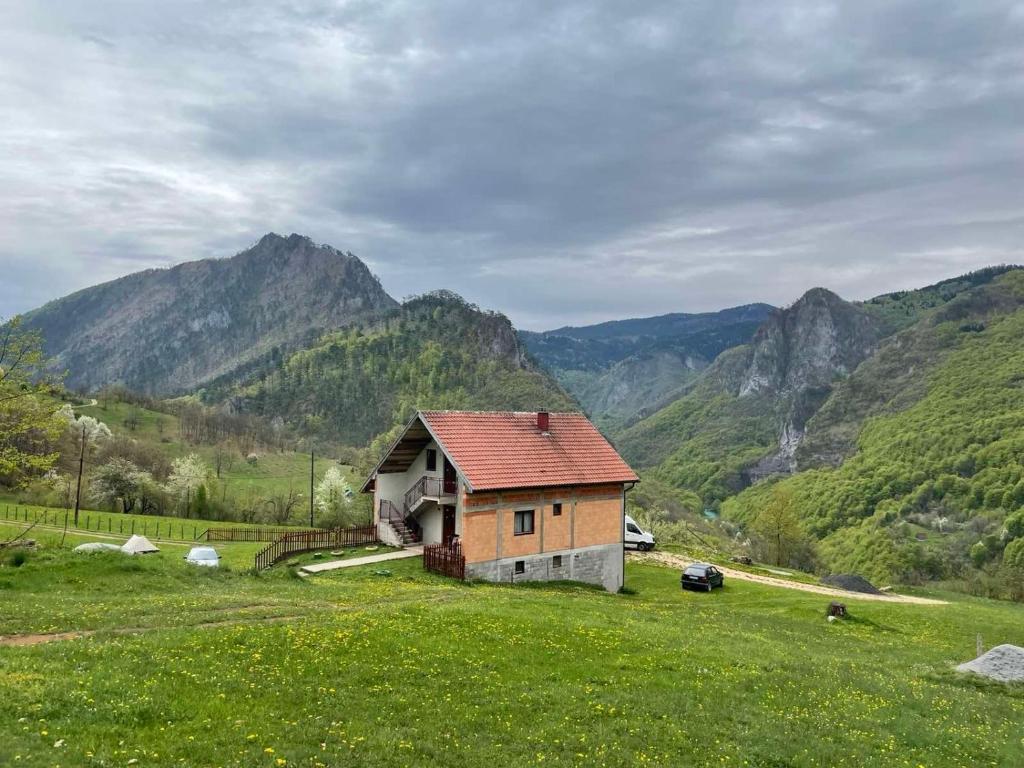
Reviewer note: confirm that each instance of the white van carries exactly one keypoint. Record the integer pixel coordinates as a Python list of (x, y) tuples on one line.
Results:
[(635, 536)]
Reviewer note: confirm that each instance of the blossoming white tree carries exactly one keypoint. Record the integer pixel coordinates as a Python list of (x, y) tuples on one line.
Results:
[(332, 498), (188, 475)]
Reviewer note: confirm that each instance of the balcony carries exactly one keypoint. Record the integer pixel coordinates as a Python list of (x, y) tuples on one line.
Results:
[(436, 489)]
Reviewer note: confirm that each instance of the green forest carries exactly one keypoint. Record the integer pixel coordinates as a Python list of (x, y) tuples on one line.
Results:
[(437, 352), (934, 487)]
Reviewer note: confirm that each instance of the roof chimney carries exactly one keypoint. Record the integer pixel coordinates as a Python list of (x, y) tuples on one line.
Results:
[(543, 421)]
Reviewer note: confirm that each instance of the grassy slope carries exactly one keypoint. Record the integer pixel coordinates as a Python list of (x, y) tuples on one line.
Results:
[(957, 451), (416, 670), (273, 472)]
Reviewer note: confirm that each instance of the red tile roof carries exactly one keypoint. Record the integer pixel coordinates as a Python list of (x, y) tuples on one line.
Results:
[(497, 450)]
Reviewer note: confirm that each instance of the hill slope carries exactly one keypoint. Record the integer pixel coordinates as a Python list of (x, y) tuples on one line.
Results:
[(436, 351), (747, 412), (797, 395), (624, 369), (166, 331), (930, 434)]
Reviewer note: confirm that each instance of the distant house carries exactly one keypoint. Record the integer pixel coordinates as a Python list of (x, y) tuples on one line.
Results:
[(530, 496)]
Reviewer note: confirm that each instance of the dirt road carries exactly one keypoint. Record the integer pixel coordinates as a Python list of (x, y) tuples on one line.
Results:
[(678, 561)]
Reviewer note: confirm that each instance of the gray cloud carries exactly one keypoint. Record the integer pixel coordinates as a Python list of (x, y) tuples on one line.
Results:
[(561, 162)]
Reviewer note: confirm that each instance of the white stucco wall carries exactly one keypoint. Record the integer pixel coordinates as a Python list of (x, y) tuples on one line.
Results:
[(393, 485), (431, 520)]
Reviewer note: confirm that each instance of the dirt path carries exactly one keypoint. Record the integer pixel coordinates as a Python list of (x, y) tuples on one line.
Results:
[(678, 561)]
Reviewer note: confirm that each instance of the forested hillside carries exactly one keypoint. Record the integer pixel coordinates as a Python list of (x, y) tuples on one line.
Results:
[(746, 413), (623, 370), (437, 351), (797, 395), (937, 453)]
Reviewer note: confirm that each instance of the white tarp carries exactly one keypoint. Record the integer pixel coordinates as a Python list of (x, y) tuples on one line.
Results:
[(138, 545), (96, 546)]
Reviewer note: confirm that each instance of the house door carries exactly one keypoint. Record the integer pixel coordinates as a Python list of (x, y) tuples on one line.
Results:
[(449, 476), (447, 523)]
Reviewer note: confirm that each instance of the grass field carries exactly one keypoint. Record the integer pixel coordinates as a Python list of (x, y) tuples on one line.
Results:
[(91, 520), (272, 473), (189, 667)]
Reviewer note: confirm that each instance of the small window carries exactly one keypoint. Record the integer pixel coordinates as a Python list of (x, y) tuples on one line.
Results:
[(431, 460), (520, 566), (523, 522), (632, 528), (556, 509), (556, 561)]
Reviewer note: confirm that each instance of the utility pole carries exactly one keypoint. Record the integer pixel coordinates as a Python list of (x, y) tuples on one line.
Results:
[(81, 465), (312, 464)]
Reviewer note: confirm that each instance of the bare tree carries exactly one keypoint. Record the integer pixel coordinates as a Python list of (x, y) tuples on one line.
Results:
[(223, 459), (280, 506)]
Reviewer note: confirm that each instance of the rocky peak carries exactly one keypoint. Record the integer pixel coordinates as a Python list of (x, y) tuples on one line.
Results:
[(809, 344), (171, 330)]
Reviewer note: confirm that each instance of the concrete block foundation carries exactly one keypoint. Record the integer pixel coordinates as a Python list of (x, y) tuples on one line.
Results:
[(601, 565)]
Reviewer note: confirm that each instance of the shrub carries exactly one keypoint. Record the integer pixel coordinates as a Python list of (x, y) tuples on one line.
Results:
[(17, 558)]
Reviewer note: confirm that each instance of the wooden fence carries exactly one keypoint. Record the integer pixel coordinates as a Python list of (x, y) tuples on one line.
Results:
[(297, 542), (446, 559), (250, 534), (155, 527)]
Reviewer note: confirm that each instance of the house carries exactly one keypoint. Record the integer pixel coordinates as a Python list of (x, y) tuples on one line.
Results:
[(529, 496)]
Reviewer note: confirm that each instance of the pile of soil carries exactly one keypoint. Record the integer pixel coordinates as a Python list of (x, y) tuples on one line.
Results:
[(1004, 663), (851, 582)]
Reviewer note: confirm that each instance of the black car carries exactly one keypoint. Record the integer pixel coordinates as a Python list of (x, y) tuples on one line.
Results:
[(702, 576)]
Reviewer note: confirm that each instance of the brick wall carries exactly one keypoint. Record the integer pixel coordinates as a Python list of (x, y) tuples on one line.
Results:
[(591, 516), (480, 536)]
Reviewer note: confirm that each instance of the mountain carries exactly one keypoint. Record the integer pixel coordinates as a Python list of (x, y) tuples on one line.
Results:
[(168, 331), (775, 405), (435, 351), (912, 468), (745, 415), (624, 369)]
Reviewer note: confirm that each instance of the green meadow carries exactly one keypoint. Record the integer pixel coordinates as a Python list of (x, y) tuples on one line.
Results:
[(371, 667)]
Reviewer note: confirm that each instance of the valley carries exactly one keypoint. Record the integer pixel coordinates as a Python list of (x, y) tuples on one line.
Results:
[(810, 410)]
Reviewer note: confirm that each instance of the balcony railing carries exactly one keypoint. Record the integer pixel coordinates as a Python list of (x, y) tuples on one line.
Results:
[(391, 514), (428, 487)]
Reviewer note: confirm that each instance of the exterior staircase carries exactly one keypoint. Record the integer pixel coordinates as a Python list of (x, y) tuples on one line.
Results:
[(404, 525), (406, 535)]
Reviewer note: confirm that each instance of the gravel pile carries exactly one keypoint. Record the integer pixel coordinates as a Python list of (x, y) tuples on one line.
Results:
[(1004, 663), (852, 583)]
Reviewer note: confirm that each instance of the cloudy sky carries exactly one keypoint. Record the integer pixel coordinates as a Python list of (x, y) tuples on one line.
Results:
[(559, 161)]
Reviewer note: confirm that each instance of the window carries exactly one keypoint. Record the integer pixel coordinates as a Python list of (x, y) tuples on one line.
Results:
[(556, 509), (431, 460), (520, 566), (523, 522), (632, 528), (556, 561)]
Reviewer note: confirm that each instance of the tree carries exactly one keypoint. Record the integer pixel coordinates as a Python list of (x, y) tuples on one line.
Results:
[(1015, 525), (118, 480), (333, 499), (280, 506), (778, 525), (29, 426), (96, 431), (223, 459), (1013, 555), (187, 474)]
